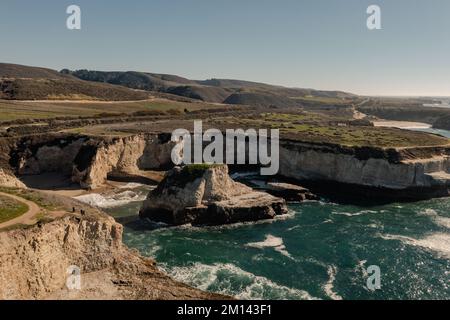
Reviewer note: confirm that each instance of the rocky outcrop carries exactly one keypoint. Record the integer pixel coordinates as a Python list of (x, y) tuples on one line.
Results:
[(35, 263), (127, 155), (206, 195), (287, 191), (121, 154), (86, 160)]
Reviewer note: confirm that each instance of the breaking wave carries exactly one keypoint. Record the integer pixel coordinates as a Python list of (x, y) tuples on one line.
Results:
[(271, 242), (329, 286), (131, 185), (436, 242), (439, 220), (229, 279), (354, 214), (111, 200)]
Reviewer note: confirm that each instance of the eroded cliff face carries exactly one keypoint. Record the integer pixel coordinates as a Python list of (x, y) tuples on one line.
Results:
[(86, 160), (34, 264), (89, 161), (126, 155), (380, 172)]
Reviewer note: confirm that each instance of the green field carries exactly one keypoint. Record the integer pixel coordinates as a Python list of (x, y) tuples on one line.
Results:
[(14, 110), (10, 209)]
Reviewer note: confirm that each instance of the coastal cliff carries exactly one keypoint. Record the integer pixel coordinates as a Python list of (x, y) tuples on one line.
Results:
[(85, 160), (398, 171), (34, 264), (88, 161)]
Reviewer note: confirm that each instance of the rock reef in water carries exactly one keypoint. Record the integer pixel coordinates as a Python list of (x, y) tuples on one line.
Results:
[(206, 195), (287, 191)]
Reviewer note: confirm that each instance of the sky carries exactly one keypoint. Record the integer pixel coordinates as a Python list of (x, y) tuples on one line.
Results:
[(321, 44)]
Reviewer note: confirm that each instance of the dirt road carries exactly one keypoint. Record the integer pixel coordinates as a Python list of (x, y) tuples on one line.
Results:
[(27, 217)]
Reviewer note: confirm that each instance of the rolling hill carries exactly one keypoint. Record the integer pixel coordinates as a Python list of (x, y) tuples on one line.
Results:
[(213, 90), (19, 82)]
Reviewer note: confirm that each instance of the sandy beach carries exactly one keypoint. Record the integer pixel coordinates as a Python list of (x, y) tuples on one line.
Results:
[(402, 124)]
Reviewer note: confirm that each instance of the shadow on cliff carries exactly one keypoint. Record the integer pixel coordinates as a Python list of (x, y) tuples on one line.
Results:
[(49, 181)]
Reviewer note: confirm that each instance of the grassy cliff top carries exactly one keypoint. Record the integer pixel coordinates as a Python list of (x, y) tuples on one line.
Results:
[(315, 128), (10, 209)]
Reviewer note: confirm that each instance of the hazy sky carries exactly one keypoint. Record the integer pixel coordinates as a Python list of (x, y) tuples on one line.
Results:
[(321, 44)]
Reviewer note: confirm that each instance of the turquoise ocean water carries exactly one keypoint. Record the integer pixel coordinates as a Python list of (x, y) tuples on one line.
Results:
[(321, 250)]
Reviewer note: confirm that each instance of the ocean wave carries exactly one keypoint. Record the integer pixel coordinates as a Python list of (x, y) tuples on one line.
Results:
[(231, 280), (436, 242), (329, 286), (271, 242), (111, 200)]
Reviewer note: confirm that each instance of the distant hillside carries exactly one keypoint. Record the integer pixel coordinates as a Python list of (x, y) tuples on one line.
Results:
[(204, 93), (8, 70), (28, 83), (261, 99), (213, 90), (31, 83), (132, 79)]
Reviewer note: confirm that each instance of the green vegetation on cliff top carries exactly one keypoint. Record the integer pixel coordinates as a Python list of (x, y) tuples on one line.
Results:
[(10, 209), (314, 128)]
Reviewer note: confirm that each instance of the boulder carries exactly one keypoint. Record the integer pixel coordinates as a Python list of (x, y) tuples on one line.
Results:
[(206, 195)]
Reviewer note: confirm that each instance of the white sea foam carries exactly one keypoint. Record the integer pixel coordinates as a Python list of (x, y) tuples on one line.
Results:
[(231, 280), (111, 200), (131, 185), (442, 221), (361, 267), (329, 286), (354, 214), (271, 242), (436, 242)]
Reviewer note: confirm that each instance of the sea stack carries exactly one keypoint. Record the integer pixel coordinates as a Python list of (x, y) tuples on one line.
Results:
[(203, 194)]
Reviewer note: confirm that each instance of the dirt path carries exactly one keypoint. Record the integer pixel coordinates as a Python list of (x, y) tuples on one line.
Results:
[(27, 217)]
